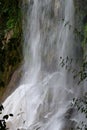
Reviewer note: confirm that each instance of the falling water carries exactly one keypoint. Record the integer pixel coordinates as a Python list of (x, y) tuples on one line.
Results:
[(42, 100)]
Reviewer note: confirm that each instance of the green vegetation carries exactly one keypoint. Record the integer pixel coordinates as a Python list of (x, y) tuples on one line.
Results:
[(10, 39)]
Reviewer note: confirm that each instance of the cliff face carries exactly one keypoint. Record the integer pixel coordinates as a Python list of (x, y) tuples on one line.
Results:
[(80, 13), (81, 21), (10, 40)]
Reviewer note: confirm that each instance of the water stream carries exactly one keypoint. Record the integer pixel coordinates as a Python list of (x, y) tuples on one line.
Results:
[(42, 100)]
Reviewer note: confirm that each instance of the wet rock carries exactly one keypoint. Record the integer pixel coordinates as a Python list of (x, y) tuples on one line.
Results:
[(13, 84)]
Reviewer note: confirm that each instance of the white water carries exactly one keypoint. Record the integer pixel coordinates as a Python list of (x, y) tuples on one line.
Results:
[(46, 89)]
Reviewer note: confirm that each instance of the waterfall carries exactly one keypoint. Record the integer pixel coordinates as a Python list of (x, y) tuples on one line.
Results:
[(42, 100)]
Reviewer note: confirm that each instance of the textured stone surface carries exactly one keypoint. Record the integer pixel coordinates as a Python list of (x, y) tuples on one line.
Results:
[(13, 84)]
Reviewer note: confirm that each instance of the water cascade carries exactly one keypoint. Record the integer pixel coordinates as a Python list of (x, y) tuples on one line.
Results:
[(42, 100)]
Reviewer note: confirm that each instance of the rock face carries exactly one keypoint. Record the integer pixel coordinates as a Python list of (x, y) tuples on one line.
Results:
[(80, 17), (13, 84), (10, 42), (81, 10), (81, 23)]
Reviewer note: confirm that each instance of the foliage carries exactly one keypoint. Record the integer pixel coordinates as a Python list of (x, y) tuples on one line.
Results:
[(10, 39)]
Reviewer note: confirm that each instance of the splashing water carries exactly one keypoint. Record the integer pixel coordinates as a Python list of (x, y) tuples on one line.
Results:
[(46, 90)]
